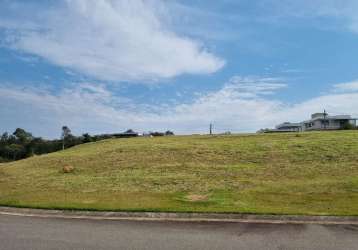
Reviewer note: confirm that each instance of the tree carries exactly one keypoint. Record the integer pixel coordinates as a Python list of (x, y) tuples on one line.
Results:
[(14, 151), (37, 146), (4, 137), (348, 126), (156, 134), (167, 133), (86, 138), (22, 136), (23, 139), (66, 132), (3, 143)]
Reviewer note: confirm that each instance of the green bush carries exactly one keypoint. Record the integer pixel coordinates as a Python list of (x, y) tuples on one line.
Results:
[(2, 160), (349, 126)]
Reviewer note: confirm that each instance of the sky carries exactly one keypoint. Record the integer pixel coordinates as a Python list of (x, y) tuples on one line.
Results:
[(105, 66)]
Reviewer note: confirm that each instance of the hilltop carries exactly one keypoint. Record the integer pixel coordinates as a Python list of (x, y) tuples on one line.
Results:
[(305, 173)]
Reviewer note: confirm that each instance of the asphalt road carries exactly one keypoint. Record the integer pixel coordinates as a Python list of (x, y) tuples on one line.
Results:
[(44, 233)]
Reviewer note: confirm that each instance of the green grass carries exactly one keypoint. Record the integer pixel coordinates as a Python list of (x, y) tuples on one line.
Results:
[(309, 173)]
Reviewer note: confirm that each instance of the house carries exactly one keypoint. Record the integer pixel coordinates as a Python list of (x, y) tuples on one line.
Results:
[(289, 127), (284, 127), (323, 121), (318, 121)]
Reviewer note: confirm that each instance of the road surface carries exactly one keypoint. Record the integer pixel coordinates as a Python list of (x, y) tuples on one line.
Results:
[(46, 233)]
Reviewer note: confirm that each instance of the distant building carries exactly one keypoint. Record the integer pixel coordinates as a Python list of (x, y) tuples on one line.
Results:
[(289, 127), (128, 134), (318, 121), (323, 121)]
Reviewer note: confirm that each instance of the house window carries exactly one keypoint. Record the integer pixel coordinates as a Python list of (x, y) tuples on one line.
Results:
[(325, 122), (343, 123)]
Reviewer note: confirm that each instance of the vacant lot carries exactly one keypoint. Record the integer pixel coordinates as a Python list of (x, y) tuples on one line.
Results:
[(308, 173)]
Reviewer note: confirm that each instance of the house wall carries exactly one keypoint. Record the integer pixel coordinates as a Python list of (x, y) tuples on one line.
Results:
[(319, 122), (331, 124), (335, 124), (313, 125), (292, 129)]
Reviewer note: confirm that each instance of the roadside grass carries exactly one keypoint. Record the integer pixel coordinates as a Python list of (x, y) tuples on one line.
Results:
[(313, 174)]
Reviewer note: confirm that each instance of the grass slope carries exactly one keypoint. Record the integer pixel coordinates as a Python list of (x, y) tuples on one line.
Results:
[(309, 173)]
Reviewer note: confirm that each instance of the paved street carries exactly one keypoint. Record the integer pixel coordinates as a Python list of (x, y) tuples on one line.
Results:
[(43, 233)]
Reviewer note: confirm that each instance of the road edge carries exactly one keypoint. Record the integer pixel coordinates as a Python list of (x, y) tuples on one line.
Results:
[(183, 217)]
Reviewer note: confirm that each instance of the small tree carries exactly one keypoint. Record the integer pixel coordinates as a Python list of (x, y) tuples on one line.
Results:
[(14, 151), (157, 133), (348, 126), (4, 138), (86, 138), (167, 133), (66, 132), (22, 136)]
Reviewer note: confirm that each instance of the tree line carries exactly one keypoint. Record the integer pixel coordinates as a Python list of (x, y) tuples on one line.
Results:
[(22, 144)]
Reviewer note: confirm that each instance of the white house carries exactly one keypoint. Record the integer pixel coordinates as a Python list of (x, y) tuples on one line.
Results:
[(323, 121), (318, 121)]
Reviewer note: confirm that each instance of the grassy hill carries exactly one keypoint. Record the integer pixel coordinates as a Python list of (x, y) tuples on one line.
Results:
[(307, 173)]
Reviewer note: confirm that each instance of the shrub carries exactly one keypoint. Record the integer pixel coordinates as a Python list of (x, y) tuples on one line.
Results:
[(348, 126)]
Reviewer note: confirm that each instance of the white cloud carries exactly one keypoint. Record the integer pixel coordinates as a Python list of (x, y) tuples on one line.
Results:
[(85, 107), (254, 86), (91, 108), (346, 87), (120, 40)]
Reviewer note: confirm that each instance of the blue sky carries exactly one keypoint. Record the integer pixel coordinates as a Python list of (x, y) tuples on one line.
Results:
[(106, 66)]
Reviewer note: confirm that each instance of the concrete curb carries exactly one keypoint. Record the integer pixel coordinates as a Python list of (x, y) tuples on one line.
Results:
[(184, 217)]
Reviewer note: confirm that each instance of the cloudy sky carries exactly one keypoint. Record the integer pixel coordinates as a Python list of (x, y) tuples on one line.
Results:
[(102, 66)]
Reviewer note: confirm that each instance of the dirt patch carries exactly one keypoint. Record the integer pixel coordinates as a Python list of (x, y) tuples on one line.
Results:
[(68, 169), (90, 191), (89, 202), (196, 197)]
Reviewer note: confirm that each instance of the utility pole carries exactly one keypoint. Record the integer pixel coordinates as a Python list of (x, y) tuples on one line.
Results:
[(324, 119), (211, 129)]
